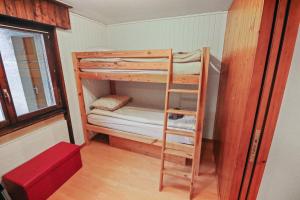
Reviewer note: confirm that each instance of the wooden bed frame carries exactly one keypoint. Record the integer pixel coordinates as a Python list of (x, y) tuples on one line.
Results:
[(118, 138)]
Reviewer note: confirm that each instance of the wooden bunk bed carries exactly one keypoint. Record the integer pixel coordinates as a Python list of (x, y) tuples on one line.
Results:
[(88, 66)]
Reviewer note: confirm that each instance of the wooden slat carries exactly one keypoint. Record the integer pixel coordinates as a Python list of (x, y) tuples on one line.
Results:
[(184, 91), (2, 7), (178, 146), (10, 8), (58, 18), (81, 99), (125, 54), (143, 148), (65, 17), (44, 9), (150, 78), (177, 173), (51, 13), (124, 65), (20, 11), (179, 153), (37, 10), (121, 134), (138, 138), (180, 132), (181, 112), (29, 9)]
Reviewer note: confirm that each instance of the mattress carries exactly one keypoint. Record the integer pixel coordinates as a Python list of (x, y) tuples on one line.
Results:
[(183, 63), (141, 121), (178, 68)]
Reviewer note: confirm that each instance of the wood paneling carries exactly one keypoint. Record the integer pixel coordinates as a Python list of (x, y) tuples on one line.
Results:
[(263, 103), (184, 33), (244, 56), (42, 11), (91, 34)]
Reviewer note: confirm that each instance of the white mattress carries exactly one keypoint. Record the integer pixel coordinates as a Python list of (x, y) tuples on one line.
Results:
[(178, 68), (141, 121)]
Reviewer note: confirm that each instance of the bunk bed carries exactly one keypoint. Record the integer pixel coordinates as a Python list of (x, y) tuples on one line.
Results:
[(138, 66)]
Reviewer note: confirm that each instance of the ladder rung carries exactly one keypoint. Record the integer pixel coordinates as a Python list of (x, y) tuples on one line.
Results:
[(180, 132), (182, 112), (177, 173), (180, 153), (184, 91)]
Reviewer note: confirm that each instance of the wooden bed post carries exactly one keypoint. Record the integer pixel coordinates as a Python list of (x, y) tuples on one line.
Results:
[(203, 85), (80, 98), (112, 87)]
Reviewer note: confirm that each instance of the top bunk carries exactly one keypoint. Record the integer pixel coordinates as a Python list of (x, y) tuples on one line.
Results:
[(142, 65)]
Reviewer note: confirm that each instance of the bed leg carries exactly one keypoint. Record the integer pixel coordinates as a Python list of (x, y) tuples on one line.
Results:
[(112, 86), (87, 135)]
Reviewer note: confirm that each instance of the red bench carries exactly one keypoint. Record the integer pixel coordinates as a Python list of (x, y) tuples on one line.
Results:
[(41, 176)]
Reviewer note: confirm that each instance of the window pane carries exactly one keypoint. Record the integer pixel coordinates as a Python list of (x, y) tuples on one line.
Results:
[(2, 118), (26, 67)]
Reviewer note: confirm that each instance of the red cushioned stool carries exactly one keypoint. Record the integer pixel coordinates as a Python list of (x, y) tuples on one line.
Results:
[(41, 176)]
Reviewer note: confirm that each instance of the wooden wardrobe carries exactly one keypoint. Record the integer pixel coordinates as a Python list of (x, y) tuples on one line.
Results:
[(259, 42)]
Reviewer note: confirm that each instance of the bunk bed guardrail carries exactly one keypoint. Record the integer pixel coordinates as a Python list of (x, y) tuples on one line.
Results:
[(86, 65)]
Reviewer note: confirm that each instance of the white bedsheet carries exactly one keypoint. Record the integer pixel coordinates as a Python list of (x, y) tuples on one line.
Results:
[(142, 121)]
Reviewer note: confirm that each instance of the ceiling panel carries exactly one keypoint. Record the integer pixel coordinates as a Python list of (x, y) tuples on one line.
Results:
[(118, 11)]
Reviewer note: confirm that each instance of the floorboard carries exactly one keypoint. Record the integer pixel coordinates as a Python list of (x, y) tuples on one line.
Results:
[(111, 173)]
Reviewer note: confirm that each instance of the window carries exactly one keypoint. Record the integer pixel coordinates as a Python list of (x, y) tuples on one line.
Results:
[(27, 69)]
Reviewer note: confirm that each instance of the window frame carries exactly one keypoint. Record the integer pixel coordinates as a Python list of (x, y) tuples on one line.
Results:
[(13, 122), (5, 122)]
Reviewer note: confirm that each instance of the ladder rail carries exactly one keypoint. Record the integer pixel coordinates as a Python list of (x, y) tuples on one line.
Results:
[(197, 143), (204, 76), (169, 79)]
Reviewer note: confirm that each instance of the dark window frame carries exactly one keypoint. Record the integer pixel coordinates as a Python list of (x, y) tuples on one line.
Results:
[(14, 122)]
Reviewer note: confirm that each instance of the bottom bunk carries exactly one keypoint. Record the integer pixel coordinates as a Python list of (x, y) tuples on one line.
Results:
[(140, 130), (142, 121)]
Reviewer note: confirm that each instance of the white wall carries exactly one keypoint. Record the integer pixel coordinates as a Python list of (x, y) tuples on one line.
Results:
[(84, 35), (281, 179), (184, 33), (17, 151)]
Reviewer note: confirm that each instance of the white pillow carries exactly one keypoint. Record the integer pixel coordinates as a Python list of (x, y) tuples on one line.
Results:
[(111, 102)]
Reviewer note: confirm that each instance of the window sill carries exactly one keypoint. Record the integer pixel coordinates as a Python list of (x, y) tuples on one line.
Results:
[(17, 129)]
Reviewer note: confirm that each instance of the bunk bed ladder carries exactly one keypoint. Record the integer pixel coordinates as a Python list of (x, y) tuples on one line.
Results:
[(193, 154)]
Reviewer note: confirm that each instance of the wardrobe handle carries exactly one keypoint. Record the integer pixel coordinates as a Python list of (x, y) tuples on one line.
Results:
[(6, 95)]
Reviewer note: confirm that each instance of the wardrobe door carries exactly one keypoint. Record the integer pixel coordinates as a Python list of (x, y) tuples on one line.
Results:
[(247, 36)]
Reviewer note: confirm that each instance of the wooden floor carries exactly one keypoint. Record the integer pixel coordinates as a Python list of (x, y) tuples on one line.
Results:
[(111, 173)]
